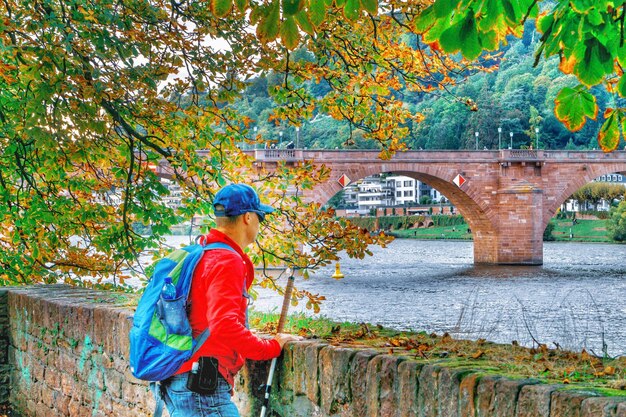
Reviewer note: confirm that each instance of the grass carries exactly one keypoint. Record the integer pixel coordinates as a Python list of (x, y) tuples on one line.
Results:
[(548, 365), (582, 231), (443, 232)]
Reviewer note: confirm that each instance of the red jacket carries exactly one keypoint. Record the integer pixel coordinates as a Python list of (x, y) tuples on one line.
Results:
[(217, 302)]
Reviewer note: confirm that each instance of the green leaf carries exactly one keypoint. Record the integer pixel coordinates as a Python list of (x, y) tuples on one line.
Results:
[(425, 20), (512, 11), (470, 45), (573, 105), (221, 8), (595, 17), (268, 27), (545, 23), (595, 63), (621, 86), (449, 40), (305, 23), (289, 33), (443, 8), (608, 137), (241, 5), (351, 9), (317, 11), (291, 7), (370, 5), (490, 12)]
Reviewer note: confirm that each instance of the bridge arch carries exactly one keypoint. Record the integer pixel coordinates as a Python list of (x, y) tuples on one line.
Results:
[(480, 220), (576, 182)]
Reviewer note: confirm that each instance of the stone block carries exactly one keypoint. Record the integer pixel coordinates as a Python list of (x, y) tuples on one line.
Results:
[(382, 375), (334, 377), (467, 392), (568, 403), (358, 382), (285, 378), (506, 395), (449, 390), (485, 395), (124, 325), (427, 396), (621, 410), (408, 387), (601, 406), (299, 354), (105, 327), (311, 370), (534, 400)]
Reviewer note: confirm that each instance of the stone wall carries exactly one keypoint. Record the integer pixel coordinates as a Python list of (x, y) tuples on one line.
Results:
[(68, 356)]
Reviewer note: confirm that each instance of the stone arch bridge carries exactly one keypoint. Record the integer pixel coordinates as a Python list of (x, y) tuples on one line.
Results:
[(508, 196)]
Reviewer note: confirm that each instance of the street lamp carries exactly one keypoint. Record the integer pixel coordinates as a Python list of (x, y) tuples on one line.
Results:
[(280, 139), (499, 138), (476, 134), (511, 135), (254, 138), (537, 138)]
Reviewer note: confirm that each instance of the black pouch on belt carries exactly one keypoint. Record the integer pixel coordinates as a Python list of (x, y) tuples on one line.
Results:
[(203, 378)]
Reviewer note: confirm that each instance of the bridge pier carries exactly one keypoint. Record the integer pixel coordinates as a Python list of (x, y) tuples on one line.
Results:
[(518, 229)]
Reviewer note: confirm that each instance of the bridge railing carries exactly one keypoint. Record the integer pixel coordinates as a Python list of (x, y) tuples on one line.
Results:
[(278, 154)]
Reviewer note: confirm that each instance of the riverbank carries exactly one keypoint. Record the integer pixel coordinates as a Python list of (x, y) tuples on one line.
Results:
[(549, 365), (563, 231)]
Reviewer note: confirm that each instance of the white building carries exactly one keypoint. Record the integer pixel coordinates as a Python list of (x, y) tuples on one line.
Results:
[(386, 190), (603, 205)]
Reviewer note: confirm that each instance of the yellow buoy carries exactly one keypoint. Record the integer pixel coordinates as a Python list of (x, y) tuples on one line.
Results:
[(337, 274)]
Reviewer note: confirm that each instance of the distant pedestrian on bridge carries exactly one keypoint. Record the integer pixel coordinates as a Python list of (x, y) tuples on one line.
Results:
[(219, 301)]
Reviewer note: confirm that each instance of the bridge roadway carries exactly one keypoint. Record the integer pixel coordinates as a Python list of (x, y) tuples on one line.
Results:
[(508, 196)]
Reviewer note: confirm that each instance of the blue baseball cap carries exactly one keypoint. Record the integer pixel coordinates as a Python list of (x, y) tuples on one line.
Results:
[(238, 199)]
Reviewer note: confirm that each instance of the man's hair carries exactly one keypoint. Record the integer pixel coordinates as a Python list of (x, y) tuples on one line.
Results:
[(227, 220)]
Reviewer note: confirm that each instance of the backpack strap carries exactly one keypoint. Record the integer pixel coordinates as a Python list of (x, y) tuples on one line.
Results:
[(202, 337)]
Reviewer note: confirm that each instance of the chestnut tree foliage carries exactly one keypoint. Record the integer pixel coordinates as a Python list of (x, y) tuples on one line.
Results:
[(95, 93)]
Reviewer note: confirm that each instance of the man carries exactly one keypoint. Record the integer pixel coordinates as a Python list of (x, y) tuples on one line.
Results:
[(219, 300)]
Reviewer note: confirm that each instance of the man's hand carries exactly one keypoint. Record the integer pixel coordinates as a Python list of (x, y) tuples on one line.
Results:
[(283, 338)]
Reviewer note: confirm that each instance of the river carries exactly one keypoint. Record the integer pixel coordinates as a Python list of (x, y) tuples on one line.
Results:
[(576, 299)]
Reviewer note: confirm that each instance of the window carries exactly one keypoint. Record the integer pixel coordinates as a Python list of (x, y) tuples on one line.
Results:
[(603, 178), (408, 193), (398, 193), (408, 183)]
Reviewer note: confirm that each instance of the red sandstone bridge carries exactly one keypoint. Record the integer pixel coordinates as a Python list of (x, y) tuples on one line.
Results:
[(508, 196)]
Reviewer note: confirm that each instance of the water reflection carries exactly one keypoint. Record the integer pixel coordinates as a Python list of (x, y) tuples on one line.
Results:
[(574, 300)]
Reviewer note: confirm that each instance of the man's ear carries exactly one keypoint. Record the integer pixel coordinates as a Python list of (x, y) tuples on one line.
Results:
[(246, 217)]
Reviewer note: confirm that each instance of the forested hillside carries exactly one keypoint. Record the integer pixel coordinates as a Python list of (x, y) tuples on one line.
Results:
[(515, 95)]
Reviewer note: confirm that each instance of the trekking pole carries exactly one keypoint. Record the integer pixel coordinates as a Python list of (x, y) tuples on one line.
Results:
[(279, 329)]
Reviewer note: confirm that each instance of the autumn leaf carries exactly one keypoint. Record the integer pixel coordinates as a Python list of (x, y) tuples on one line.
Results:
[(289, 33), (304, 22), (221, 8), (317, 11), (268, 28), (371, 6), (609, 135), (573, 106), (241, 5)]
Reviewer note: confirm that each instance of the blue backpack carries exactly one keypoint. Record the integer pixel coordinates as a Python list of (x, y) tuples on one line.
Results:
[(161, 339)]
